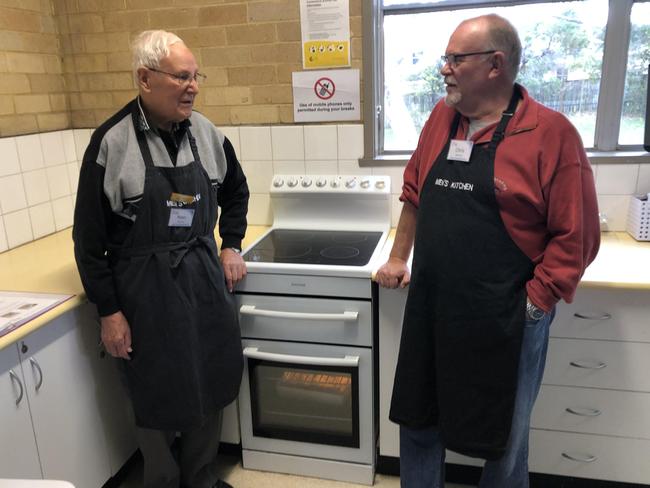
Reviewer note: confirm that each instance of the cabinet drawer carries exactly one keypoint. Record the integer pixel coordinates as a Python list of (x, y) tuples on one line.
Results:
[(620, 315), (321, 320), (612, 365), (593, 411), (597, 457)]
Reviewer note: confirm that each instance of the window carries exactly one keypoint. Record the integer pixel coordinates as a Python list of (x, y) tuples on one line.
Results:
[(585, 58)]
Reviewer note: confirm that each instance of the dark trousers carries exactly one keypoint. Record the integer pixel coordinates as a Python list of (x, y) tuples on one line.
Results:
[(195, 464)]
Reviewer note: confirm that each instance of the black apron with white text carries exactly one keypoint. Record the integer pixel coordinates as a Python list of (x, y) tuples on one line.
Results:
[(187, 359), (465, 312)]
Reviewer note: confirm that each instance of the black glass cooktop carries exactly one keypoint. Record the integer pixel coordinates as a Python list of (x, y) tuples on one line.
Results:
[(339, 248)]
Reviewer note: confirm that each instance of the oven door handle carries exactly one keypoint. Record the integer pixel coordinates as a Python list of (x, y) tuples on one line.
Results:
[(255, 353), (260, 312)]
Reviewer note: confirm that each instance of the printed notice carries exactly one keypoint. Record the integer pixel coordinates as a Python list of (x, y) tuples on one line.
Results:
[(326, 95), (18, 308), (325, 26)]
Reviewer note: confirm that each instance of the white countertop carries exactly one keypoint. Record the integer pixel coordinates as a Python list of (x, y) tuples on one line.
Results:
[(47, 265)]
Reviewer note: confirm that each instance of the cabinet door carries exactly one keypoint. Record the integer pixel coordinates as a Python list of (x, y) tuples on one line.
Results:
[(63, 398), (391, 313), (18, 453)]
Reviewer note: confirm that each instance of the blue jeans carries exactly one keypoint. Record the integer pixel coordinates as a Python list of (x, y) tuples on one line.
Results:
[(422, 454)]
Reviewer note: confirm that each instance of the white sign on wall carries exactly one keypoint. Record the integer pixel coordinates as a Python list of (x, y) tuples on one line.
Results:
[(326, 95)]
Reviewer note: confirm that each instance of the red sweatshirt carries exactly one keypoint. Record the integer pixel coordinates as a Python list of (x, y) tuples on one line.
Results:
[(544, 188)]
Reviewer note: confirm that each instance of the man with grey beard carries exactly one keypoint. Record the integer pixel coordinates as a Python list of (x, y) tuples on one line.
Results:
[(500, 210)]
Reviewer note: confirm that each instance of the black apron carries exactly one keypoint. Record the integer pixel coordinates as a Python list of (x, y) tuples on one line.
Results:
[(187, 359), (465, 312)]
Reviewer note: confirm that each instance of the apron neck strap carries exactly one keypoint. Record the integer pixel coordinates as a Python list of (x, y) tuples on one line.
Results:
[(193, 147), (144, 147), (146, 153), (500, 131)]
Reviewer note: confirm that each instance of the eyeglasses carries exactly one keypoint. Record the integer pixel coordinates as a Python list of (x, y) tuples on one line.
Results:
[(183, 79), (454, 59)]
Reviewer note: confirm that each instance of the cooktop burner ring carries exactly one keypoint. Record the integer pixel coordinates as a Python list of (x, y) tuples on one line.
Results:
[(340, 252)]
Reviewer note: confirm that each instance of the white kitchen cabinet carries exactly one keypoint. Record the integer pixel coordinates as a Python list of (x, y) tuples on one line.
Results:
[(76, 416), (18, 454), (62, 394), (592, 417), (391, 313)]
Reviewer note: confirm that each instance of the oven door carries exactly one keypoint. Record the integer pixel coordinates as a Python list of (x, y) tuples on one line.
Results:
[(310, 400)]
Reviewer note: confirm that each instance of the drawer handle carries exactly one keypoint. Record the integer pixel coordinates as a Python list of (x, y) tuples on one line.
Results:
[(581, 458), (260, 312), (588, 364), (584, 411), (602, 316)]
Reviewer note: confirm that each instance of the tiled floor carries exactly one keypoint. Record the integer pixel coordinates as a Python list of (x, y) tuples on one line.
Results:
[(243, 478)]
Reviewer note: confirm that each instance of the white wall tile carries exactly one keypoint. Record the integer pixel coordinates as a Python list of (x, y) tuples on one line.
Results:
[(63, 212), (396, 174), (395, 210), (12, 194), (615, 208), (58, 180), (643, 185), (53, 150), (3, 236), (67, 136), (42, 219), (258, 175), (321, 167), (73, 176), (350, 141), (259, 209), (255, 143), (320, 142), (81, 140), (289, 167), (594, 170), (18, 228), (36, 187), (30, 153), (617, 179), (288, 142), (351, 167), (232, 133), (9, 162)]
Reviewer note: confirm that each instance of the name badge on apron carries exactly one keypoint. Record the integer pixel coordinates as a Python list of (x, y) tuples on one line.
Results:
[(460, 150), (181, 217)]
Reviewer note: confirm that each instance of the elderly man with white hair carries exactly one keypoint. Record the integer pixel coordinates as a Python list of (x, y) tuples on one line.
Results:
[(151, 184)]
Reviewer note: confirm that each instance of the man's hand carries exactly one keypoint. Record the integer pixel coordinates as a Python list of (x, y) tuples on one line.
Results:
[(234, 267), (116, 335), (393, 273)]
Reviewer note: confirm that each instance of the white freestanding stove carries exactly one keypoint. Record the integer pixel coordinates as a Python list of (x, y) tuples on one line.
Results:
[(308, 401)]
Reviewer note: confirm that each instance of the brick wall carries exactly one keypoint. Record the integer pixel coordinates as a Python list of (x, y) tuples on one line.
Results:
[(66, 63), (32, 87)]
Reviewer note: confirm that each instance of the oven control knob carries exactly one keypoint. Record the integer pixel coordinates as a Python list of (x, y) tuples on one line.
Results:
[(365, 183), (292, 182), (321, 182), (351, 183), (278, 182), (334, 183), (306, 182), (380, 185)]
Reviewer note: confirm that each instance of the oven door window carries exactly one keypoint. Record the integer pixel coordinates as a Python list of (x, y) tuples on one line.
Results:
[(306, 403)]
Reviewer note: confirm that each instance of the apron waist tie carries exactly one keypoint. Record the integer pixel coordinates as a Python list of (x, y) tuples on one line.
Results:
[(179, 249)]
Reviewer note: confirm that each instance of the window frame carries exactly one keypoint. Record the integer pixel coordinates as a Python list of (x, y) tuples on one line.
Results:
[(608, 115)]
